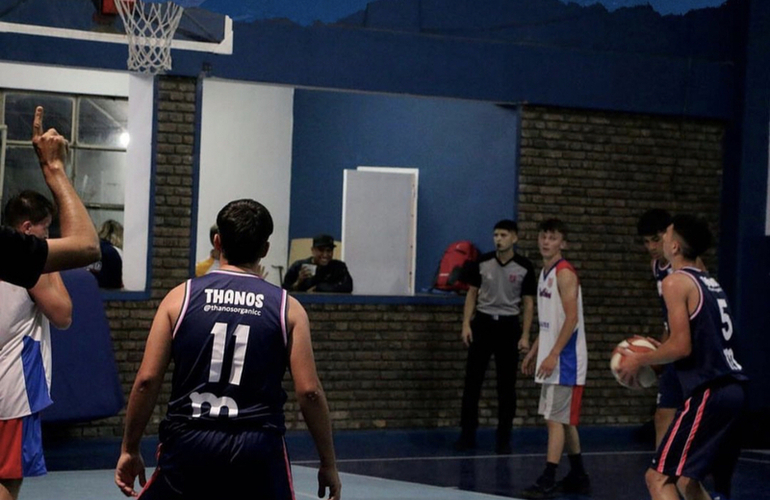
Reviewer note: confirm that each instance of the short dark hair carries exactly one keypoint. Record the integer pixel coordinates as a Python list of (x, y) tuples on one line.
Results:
[(244, 227), (507, 225), (653, 221), (694, 233), (28, 205), (553, 226)]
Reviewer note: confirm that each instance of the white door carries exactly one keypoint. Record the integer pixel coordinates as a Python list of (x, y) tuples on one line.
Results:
[(379, 229)]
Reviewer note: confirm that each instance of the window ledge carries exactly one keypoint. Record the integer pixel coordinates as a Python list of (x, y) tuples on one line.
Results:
[(346, 298)]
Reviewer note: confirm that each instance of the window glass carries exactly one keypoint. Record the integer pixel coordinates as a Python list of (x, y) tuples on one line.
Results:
[(22, 171), (99, 177), (96, 163), (20, 108), (102, 215), (103, 122)]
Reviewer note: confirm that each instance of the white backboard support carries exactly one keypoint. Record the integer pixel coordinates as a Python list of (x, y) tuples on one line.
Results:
[(193, 33)]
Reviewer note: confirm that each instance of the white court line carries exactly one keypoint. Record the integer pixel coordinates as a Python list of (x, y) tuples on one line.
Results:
[(517, 455), (470, 457), (378, 488)]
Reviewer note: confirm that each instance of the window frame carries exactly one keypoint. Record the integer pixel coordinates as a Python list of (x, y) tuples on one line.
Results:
[(141, 92), (72, 136)]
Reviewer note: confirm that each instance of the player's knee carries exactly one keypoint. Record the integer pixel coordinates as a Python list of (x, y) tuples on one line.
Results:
[(663, 417), (690, 489), (655, 481)]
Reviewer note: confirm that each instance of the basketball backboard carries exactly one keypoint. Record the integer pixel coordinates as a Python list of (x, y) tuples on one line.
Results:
[(199, 30)]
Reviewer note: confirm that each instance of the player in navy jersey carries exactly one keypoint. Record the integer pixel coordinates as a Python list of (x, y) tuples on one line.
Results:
[(651, 227), (701, 345), (232, 337)]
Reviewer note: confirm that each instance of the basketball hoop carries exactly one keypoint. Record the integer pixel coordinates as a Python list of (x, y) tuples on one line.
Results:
[(150, 28)]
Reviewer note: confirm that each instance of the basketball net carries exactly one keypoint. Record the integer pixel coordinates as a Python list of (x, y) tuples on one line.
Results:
[(150, 28)]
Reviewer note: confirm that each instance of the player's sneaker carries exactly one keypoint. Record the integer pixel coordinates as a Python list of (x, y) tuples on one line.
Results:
[(579, 484), (543, 488), (465, 443), (503, 447)]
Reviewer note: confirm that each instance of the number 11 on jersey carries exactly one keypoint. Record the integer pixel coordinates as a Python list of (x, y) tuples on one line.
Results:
[(219, 331)]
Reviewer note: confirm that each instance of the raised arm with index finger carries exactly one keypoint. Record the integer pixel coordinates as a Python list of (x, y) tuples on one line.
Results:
[(24, 258), (79, 244)]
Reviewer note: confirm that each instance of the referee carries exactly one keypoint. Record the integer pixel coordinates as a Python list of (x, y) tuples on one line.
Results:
[(502, 288)]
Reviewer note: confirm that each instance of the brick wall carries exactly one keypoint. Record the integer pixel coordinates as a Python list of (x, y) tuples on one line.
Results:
[(599, 172), (130, 320), (390, 366)]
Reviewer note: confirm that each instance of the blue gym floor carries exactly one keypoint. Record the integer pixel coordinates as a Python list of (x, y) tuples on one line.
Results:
[(414, 464)]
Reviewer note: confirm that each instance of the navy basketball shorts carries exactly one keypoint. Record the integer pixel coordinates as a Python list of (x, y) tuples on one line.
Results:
[(205, 464), (669, 389), (701, 428)]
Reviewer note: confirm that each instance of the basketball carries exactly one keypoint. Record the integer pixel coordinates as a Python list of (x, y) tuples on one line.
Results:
[(646, 376)]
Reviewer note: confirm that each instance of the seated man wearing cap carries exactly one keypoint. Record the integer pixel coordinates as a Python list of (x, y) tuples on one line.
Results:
[(319, 273)]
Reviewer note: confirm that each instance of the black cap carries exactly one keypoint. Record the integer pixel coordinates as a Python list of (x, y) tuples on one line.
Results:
[(323, 241)]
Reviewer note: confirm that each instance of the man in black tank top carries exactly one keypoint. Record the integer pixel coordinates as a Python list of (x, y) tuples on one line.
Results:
[(701, 345), (232, 337), (23, 258)]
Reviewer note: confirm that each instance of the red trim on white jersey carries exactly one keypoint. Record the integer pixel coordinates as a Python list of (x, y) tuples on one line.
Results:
[(565, 264)]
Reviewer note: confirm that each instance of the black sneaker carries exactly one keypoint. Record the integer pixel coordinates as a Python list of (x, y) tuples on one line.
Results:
[(503, 449), (464, 444), (579, 484), (541, 489)]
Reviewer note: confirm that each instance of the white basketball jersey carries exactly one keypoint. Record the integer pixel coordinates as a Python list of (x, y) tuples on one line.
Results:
[(573, 361), (25, 354)]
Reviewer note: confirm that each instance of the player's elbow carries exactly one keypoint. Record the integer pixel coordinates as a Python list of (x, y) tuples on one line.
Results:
[(84, 250), (60, 314), (91, 250), (146, 383), (679, 349), (684, 350), (62, 322), (310, 396)]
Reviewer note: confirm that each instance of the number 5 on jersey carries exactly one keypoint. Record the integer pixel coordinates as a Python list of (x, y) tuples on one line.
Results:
[(727, 333)]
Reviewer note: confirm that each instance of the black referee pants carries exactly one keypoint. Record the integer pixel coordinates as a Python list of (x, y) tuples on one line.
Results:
[(498, 337)]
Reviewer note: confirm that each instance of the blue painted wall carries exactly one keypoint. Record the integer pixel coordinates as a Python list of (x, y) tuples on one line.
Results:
[(466, 153), (542, 52)]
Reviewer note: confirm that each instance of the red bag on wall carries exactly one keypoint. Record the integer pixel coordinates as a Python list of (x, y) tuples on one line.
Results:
[(450, 269)]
